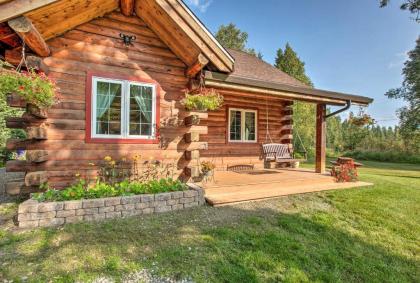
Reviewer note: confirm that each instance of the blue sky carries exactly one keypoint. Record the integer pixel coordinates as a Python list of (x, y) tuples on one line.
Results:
[(348, 46)]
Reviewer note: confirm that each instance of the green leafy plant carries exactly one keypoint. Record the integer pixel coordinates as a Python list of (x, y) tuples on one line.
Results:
[(81, 190), (206, 101), (36, 89)]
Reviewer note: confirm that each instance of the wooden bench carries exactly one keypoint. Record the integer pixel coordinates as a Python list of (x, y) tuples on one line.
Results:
[(279, 153)]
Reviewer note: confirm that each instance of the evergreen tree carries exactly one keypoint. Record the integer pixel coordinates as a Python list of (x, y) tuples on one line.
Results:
[(232, 37), (290, 63)]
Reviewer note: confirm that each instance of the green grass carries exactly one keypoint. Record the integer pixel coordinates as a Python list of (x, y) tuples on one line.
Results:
[(357, 235)]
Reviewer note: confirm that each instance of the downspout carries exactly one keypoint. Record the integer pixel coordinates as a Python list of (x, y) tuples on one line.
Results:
[(347, 107)]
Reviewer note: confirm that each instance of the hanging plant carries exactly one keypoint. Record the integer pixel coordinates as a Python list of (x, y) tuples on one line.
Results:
[(202, 99), (361, 120), (35, 89), (208, 100)]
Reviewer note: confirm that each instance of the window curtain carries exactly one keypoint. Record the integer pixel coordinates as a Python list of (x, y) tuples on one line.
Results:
[(103, 103), (144, 104)]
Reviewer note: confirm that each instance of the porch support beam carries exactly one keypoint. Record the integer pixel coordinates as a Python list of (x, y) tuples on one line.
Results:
[(321, 138), (127, 7), (193, 70), (30, 35)]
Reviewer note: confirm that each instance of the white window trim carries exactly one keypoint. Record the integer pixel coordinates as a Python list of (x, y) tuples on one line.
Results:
[(243, 111), (125, 106)]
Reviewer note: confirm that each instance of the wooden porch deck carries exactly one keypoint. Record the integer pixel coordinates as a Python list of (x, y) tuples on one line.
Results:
[(232, 187)]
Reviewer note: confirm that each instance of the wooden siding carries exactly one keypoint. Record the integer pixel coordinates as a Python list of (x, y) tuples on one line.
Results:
[(97, 47), (225, 153)]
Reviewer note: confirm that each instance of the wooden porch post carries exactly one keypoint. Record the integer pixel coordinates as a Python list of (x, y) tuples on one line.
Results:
[(321, 138)]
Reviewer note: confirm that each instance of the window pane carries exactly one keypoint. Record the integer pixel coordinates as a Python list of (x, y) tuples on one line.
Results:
[(250, 126), (108, 108), (141, 110), (235, 125)]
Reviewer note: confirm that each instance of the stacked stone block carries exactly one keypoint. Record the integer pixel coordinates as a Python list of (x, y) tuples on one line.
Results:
[(33, 214)]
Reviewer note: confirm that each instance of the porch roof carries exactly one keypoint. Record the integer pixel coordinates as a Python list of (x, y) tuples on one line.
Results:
[(254, 75)]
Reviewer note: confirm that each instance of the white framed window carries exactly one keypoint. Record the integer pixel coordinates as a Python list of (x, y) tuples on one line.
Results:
[(123, 109), (242, 125)]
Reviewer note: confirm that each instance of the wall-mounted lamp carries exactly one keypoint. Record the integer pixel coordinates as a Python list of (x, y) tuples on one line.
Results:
[(127, 39)]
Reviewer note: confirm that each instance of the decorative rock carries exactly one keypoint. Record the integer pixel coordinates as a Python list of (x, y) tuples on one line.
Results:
[(177, 207), (122, 207), (190, 193), (106, 209), (50, 206), (86, 211), (163, 197), (28, 224), (172, 202), (177, 195), (74, 204), (33, 214), (66, 213), (74, 219), (142, 205), (147, 198), (91, 203), (186, 200), (112, 201), (28, 206)]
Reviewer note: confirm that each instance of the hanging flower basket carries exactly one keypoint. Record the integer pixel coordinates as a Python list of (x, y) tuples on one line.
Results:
[(39, 91), (204, 100)]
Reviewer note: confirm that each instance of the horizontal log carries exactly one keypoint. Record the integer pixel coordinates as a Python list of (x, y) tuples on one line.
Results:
[(17, 122), (192, 120), (36, 133), (16, 166), (192, 155), (192, 137), (192, 171), (15, 100), (36, 111), (36, 156), (36, 178), (14, 144), (14, 188)]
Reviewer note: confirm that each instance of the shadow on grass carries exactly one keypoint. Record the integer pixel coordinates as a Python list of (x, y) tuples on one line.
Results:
[(229, 244)]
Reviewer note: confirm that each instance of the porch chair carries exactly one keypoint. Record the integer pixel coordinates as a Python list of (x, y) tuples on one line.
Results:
[(280, 153)]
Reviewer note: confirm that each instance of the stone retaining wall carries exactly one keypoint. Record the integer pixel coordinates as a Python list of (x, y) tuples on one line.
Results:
[(33, 214)]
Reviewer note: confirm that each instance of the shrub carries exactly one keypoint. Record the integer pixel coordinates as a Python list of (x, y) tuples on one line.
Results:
[(207, 166), (208, 101), (36, 89), (345, 172), (385, 156), (81, 190)]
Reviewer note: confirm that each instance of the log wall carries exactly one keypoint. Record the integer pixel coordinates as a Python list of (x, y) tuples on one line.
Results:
[(224, 153), (96, 46)]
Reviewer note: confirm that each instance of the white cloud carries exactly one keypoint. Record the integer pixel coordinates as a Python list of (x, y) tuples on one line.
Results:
[(399, 61), (201, 5)]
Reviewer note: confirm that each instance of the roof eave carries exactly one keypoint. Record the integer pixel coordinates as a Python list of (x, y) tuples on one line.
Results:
[(307, 94)]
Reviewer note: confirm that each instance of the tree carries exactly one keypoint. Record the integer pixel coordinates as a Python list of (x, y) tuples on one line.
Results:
[(411, 5), (304, 114), (232, 37), (410, 92), (290, 63)]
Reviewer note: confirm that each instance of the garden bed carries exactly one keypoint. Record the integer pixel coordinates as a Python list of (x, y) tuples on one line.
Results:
[(32, 213)]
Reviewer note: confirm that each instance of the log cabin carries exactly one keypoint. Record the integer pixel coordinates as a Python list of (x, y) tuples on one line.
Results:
[(122, 67)]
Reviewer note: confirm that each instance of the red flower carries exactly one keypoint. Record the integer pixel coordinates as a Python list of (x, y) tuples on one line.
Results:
[(21, 87)]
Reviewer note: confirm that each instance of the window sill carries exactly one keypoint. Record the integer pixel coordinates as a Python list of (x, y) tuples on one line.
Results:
[(121, 141)]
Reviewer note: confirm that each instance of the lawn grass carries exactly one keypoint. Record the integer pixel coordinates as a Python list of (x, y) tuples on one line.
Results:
[(357, 235)]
